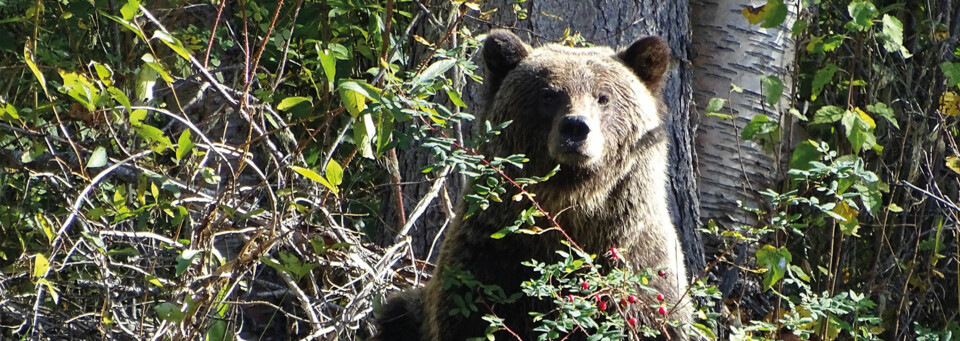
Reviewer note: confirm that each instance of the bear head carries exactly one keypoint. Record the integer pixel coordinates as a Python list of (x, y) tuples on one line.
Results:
[(588, 109)]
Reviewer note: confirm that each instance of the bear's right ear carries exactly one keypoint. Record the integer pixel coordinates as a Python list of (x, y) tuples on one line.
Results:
[(502, 51), (649, 58)]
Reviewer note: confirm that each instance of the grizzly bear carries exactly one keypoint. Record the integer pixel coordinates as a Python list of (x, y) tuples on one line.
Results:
[(599, 115)]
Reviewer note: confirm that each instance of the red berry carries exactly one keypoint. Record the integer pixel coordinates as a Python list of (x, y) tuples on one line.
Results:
[(597, 297), (632, 321), (585, 285), (570, 298), (613, 253), (662, 310), (662, 273), (623, 302), (660, 297), (632, 299), (602, 305)]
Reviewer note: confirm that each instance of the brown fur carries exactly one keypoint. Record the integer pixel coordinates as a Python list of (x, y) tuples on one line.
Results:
[(610, 191)]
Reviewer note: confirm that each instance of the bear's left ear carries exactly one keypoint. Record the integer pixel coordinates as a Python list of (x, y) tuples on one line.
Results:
[(502, 51), (649, 58)]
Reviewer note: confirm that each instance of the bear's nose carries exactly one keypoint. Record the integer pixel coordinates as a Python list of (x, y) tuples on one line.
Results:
[(574, 127)]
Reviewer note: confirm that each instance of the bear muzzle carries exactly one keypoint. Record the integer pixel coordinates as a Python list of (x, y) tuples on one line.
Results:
[(574, 140)]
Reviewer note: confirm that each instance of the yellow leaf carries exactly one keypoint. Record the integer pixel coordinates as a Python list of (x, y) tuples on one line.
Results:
[(40, 265), (28, 56), (422, 40), (45, 226), (755, 14), (953, 163), (866, 118), (950, 103)]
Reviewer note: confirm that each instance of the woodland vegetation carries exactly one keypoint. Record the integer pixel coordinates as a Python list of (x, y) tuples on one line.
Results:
[(185, 169)]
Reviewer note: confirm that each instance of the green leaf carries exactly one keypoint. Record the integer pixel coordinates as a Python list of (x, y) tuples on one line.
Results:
[(9, 112), (363, 133), (384, 132), (130, 9), (173, 43), (334, 173), (772, 88), (184, 144), (434, 70), (952, 71), (871, 197), (120, 97), (705, 331), (184, 260), (855, 131), (137, 116), (354, 95), (715, 105), (152, 63), (28, 57), (126, 24), (309, 174), (104, 73), (169, 312), (775, 261), (329, 64), (290, 102), (770, 15), (828, 114), (892, 36), (157, 139), (759, 125), (863, 12), (98, 159), (455, 98), (81, 89), (805, 153), (884, 111), (823, 77)]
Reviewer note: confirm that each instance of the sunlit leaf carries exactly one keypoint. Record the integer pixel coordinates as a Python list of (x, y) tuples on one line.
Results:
[(775, 261), (434, 70), (310, 174), (892, 36), (45, 226), (130, 9), (28, 57), (334, 173), (828, 114), (40, 266), (184, 144), (290, 102), (98, 159), (175, 44), (863, 12), (329, 64), (953, 163)]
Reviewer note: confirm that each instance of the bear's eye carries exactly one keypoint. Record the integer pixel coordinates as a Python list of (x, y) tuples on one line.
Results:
[(549, 95), (603, 99)]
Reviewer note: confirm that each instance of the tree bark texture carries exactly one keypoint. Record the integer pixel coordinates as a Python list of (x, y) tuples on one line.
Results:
[(601, 22), (729, 50)]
